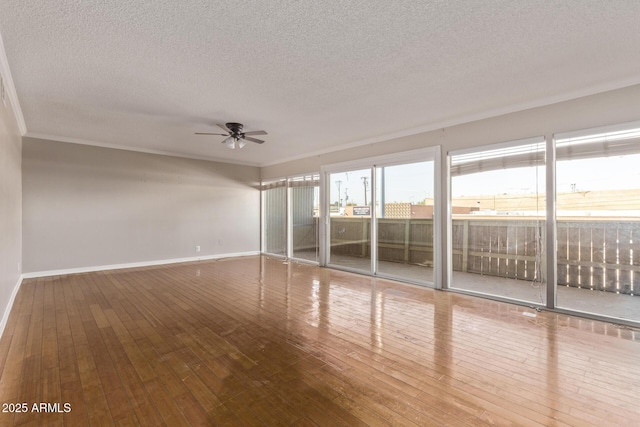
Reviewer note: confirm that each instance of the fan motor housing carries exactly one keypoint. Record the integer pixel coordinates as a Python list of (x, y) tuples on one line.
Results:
[(235, 128)]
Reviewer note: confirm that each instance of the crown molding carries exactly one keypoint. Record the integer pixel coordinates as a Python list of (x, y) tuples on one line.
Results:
[(11, 89), (496, 112), (89, 142)]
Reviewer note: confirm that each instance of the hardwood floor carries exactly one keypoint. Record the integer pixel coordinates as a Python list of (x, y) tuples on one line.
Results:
[(255, 341)]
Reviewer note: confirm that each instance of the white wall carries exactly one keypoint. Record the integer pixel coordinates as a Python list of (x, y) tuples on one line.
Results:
[(87, 206), (618, 106), (10, 205)]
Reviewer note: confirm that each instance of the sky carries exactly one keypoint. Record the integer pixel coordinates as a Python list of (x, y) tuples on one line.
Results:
[(404, 183), (609, 173)]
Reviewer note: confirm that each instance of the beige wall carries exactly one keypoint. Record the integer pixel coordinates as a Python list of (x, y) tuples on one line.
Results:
[(10, 204), (88, 206), (607, 108), (618, 106)]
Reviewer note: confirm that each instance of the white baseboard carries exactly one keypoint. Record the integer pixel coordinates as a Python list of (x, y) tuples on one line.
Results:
[(7, 310), (134, 264)]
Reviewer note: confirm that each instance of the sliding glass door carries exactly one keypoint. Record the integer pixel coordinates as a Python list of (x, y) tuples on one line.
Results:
[(274, 217), (379, 216), (290, 217), (404, 220), (304, 200), (498, 220), (350, 219), (598, 221)]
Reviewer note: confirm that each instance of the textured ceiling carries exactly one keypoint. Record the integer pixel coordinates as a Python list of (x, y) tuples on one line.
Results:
[(316, 75)]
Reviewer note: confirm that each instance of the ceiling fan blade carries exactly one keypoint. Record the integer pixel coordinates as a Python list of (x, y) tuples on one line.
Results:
[(255, 132), (223, 127), (257, 141), (207, 133)]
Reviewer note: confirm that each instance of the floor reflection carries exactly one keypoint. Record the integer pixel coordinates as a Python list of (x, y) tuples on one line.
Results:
[(260, 341), (582, 300), (375, 337)]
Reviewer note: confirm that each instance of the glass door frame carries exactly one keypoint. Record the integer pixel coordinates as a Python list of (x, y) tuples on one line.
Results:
[(432, 154)]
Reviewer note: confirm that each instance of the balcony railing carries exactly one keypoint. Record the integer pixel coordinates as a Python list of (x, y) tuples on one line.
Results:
[(598, 254)]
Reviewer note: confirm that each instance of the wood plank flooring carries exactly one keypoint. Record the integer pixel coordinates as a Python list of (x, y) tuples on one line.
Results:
[(255, 341)]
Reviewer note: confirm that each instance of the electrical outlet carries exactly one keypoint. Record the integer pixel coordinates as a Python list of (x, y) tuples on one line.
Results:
[(197, 248)]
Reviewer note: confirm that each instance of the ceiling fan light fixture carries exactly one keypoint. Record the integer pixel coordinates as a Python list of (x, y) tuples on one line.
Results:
[(235, 137)]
